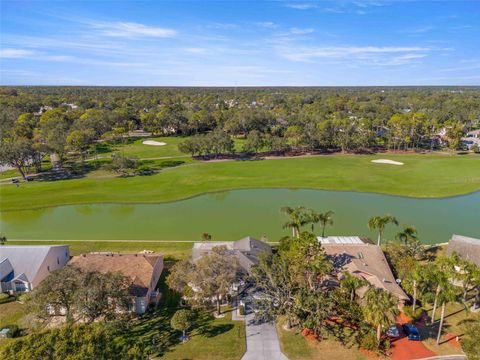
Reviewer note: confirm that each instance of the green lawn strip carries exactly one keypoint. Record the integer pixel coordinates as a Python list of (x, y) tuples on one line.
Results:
[(421, 176), (170, 250)]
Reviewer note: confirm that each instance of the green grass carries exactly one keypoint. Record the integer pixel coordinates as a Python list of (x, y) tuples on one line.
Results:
[(169, 250), (421, 176), (211, 338), (296, 347), (456, 315), (138, 149), (11, 313)]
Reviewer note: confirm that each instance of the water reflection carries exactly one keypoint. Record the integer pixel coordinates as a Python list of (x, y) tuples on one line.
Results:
[(12, 217), (230, 215), (219, 195)]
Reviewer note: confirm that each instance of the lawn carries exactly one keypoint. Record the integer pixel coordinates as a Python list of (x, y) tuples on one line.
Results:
[(135, 147), (421, 176), (11, 313), (169, 250), (296, 347), (455, 316), (215, 339)]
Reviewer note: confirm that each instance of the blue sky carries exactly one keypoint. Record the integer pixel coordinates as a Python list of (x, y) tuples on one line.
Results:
[(235, 43)]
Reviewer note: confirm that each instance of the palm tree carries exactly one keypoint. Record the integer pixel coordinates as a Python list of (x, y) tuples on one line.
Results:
[(352, 283), (3, 239), (408, 234), (447, 295), (325, 219), (297, 217), (313, 218), (380, 309), (379, 223), (416, 275), (439, 273)]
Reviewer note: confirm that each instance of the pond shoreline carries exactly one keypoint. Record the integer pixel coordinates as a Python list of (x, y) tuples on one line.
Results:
[(236, 189), (230, 215)]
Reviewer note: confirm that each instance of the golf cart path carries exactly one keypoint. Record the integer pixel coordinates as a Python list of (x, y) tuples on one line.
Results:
[(262, 341)]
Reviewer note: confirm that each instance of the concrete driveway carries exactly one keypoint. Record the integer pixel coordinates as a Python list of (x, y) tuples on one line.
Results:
[(262, 341)]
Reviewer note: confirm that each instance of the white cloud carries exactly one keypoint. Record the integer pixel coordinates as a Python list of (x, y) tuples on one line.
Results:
[(132, 30), (309, 53), (15, 53), (42, 56), (301, 6), (196, 50), (223, 26), (418, 30), (267, 24), (298, 31)]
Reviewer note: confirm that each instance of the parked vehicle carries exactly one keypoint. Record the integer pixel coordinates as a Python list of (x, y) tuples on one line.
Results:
[(412, 332), (393, 332)]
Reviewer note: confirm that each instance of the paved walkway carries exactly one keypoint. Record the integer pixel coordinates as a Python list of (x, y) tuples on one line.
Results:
[(262, 341)]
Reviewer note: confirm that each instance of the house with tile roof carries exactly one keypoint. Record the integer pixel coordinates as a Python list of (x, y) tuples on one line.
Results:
[(23, 267), (363, 259), (143, 269)]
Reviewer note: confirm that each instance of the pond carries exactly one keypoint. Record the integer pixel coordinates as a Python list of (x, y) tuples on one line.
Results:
[(235, 214)]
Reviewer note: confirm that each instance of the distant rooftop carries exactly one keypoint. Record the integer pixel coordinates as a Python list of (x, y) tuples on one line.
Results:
[(466, 247), (341, 240), (247, 250)]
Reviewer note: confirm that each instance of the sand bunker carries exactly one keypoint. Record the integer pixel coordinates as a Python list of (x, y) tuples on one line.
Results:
[(386, 161), (153, 143)]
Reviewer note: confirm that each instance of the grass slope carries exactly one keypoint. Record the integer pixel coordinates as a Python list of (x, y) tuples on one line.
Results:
[(421, 176), (169, 250)]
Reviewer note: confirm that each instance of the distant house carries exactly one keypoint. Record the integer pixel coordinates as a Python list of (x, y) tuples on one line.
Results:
[(143, 269), (467, 248), (474, 134), (361, 258), (23, 267), (246, 250), (42, 110)]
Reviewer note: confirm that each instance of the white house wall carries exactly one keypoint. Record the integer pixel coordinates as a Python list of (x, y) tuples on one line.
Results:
[(57, 258)]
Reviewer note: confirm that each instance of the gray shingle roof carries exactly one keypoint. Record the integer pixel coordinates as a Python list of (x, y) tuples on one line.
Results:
[(25, 259), (467, 248), (247, 250)]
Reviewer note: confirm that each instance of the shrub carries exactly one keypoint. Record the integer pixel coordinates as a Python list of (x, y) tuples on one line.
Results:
[(14, 331), (4, 298), (171, 163), (241, 309), (144, 170), (369, 341), (409, 312)]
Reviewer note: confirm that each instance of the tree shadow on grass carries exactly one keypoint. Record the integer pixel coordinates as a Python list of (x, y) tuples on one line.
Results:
[(214, 330), (153, 331), (205, 325)]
